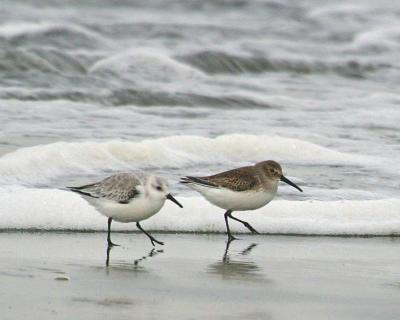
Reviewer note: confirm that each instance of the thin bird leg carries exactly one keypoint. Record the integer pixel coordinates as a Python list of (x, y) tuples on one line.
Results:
[(110, 243), (108, 255), (148, 234), (225, 258), (230, 236), (246, 224)]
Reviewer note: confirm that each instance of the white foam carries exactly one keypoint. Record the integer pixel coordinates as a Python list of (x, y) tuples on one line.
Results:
[(386, 37), (339, 10), (146, 64), (39, 164), (48, 209), (18, 29), (12, 30)]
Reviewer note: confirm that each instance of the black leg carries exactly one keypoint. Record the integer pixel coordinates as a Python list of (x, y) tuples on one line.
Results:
[(230, 236), (246, 224), (225, 258), (110, 244), (148, 234), (108, 255)]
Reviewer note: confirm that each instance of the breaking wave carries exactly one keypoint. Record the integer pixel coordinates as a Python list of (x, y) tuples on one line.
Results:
[(51, 34), (40, 164), (147, 65), (138, 97), (49, 209), (214, 62), (50, 60)]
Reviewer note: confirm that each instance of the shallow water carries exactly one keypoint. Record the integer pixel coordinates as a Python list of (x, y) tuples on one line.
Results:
[(185, 88), (63, 275)]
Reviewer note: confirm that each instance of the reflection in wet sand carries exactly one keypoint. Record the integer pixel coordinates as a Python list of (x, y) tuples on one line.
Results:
[(15, 274), (237, 265), (394, 285), (151, 254), (136, 263), (108, 302)]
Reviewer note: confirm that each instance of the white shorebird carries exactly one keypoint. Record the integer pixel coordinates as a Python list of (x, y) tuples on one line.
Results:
[(245, 188), (127, 197)]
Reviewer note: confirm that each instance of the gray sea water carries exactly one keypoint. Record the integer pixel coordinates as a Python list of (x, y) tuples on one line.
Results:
[(179, 87)]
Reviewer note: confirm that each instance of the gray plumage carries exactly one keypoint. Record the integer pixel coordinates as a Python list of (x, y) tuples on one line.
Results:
[(121, 187)]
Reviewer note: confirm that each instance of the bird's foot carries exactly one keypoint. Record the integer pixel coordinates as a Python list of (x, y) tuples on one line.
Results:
[(112, 244), (156, 241), (248, 226)]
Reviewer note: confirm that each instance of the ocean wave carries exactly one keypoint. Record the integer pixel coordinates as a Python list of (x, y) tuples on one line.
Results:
[(50, 60), (39, 164), (49, 209), (138, 97), (161, 98), (378, 39), (147, 65), (51, 34), (340, 11), (215, 62)]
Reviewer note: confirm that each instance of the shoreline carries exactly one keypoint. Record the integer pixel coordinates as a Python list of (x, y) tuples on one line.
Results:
[(64, 275), (68, 231)]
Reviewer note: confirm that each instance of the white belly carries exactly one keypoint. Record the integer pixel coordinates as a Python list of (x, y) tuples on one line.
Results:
[(136, 210), (233, 200)]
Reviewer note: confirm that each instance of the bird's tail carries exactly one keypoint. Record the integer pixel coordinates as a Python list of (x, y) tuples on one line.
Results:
[(80, 191), (197, 181)]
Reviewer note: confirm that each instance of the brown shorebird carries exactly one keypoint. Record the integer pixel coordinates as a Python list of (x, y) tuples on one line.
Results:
[(245, 188)]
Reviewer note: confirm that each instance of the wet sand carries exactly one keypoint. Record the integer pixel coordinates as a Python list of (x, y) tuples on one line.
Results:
[(64, 276)]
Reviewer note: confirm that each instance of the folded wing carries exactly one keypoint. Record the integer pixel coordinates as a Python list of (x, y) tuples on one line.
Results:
[(120, 188), (240, 179)]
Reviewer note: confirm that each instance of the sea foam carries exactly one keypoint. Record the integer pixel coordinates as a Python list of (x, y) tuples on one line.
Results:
[(379, 39), (148, 65), (23, 29), (50, 209), (40, 164)]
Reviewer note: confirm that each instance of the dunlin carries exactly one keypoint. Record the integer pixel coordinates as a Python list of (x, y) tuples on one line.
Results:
[(127, 197), (245, 188)]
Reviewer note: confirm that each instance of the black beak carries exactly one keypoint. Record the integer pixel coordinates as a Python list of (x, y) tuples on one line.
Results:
[(170, 197), (284, 179)]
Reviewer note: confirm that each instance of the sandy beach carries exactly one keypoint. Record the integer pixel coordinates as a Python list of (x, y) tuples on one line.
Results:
[(64, 276)]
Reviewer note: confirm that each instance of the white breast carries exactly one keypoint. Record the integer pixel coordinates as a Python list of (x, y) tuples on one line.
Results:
[(233, 200), (136, 210)]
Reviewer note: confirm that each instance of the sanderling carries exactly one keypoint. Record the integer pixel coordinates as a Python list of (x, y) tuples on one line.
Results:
[(245, 188), (127, 197)]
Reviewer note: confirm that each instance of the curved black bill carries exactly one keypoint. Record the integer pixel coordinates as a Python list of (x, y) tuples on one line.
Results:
[(284, 179), (170, 197)]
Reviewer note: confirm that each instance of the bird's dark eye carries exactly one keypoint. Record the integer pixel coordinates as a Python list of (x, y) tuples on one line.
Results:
[(159, 188)]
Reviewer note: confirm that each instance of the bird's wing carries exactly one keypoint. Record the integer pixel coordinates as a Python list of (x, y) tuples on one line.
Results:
[(241, 179), (120, 188)]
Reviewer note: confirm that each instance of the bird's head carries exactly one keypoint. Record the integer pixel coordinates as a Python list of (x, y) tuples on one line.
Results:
[(157, 187), (273, 171)]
